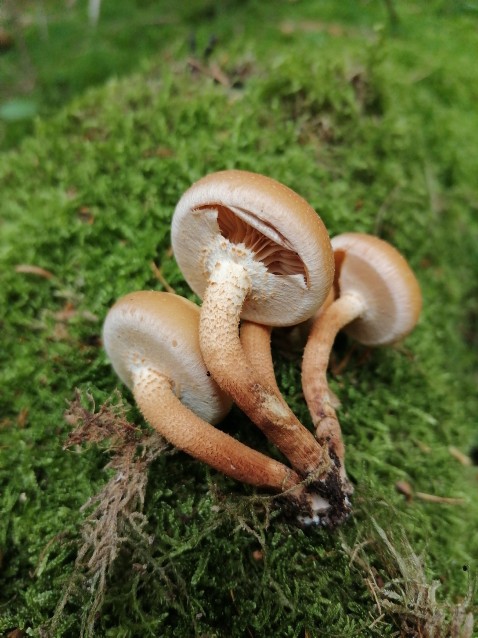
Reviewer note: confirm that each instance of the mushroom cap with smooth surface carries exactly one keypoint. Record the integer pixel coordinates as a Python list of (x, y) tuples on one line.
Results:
[(160, 330), (234, 212), (376, 272)]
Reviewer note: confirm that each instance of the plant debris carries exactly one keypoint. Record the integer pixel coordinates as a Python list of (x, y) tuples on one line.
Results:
[(402, 589), (115, 515), (460, 456), (29, 269)]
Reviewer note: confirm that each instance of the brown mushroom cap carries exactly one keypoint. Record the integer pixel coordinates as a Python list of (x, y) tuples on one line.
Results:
[(376, 272), (160, 330), (290, 243)]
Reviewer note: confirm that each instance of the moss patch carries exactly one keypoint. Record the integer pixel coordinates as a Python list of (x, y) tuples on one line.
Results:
[(379, 133)]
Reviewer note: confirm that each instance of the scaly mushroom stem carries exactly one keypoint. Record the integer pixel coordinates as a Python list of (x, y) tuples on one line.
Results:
[(228, 288), (256, 343), (186, 431), (319, 398)]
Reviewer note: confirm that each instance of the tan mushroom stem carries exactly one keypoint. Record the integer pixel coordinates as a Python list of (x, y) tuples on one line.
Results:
[(154, 395), (378, 302), (229, 286), (320, 400), (256, 343), (255, 340)]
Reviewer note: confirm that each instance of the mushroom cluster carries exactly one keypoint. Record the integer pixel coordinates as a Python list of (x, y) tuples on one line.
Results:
[(259, 257)]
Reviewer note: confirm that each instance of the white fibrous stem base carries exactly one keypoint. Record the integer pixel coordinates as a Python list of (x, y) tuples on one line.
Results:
[(319, 509)]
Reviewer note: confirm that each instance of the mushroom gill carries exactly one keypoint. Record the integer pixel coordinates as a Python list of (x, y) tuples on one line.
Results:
[(268, 245)]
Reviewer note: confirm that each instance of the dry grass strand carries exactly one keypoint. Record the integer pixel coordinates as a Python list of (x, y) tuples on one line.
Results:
[(115, 518), (401, 589)]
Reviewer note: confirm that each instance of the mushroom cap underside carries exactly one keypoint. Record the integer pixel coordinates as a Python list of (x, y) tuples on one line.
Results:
[(375, 271), (232, 210), (160, 331)]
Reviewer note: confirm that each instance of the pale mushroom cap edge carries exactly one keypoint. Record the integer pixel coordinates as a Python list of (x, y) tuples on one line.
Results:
[(377, 272), (159, 330)]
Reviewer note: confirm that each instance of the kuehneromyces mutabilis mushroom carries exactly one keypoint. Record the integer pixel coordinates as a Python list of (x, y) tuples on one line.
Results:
[(377, 302), (152, 341), (240, 240), (253, 249)]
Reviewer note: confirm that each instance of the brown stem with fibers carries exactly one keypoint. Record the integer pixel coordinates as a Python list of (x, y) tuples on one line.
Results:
[(314, 370), (186, 431), (256, 343), (224, 356)]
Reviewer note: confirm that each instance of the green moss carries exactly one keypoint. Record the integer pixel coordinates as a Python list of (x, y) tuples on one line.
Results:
[(380, 135)]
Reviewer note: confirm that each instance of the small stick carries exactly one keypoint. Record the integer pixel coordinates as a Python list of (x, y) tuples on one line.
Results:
[(457, 454), (159, 275), (432, 498), (29, 269)]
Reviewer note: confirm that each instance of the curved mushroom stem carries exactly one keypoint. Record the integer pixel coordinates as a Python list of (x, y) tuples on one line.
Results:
[(180, 426), (160, 407), (256, 343), (320, 400), (224, 356), (255, 340)]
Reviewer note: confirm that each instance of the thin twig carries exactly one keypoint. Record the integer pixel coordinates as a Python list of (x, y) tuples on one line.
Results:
[(159, 275), (432, 498)]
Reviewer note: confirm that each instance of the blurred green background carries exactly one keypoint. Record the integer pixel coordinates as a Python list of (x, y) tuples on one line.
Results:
[(51, 50)]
